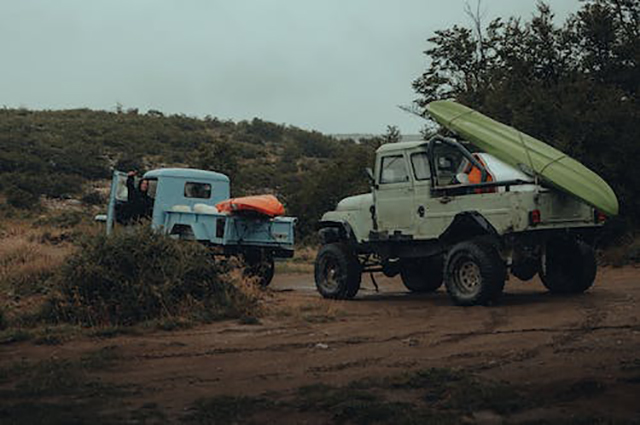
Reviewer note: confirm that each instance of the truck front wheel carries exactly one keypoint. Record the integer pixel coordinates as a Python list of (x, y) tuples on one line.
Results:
[(337, 271), (474, 273), (569, 266), (422, 274)]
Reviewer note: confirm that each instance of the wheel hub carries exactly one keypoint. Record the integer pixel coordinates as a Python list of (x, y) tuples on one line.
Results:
[(331, 275), (469, 276)]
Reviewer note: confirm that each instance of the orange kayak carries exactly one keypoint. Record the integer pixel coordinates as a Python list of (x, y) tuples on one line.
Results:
[(263, 204)]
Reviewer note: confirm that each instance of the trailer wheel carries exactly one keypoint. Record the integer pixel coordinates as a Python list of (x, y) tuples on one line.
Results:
[(337, 271), (259, 266), (569, 266), (422, 274), (474, 273)]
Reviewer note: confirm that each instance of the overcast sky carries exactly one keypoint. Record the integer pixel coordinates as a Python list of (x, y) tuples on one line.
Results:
[(337, 66)]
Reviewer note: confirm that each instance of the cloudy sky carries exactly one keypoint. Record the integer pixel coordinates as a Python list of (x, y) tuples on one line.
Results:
[(337, 66)]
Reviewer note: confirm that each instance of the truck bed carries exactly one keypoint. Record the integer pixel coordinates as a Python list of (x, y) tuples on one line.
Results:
[(229, 230)]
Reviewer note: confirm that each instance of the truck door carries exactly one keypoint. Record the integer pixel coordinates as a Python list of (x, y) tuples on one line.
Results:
[(117, 198), (421, 170), (441, 207), (394, 194)]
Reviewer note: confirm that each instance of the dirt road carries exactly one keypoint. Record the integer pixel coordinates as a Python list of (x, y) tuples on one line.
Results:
[(581, 354)]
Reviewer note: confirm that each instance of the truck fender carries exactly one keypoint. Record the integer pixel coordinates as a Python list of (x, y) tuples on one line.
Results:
[(468, 225), (336, 231)]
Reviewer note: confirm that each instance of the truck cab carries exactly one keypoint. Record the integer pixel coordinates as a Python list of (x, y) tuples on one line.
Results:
[(172, 189)]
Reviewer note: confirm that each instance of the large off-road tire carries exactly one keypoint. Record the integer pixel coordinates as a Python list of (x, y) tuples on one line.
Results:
[(569, 266), (422, 274), (259, 266), (474, 273), (337, 271)]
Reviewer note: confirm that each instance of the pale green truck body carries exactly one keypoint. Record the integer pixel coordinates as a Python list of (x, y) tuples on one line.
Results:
[(425, 220), (397, 206)]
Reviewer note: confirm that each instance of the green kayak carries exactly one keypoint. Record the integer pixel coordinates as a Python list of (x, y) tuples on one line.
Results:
[(526, 153)]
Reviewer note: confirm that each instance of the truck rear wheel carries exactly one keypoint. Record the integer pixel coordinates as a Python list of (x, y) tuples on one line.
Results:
[(569, 266), (337, 272), (474, 273), (422, 274)]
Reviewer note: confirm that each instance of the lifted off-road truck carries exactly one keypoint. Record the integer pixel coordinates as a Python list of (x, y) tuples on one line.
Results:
[(529, 211)]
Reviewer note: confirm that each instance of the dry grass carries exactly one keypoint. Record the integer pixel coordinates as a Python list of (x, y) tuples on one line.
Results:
[(302, 261), (26, 263), (29, 255), (317, 311)]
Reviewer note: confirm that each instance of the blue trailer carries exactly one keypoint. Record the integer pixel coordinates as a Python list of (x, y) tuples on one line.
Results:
[(184, 202)]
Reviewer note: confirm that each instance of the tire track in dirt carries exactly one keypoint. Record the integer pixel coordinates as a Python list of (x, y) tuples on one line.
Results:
[(337, 367), (593, 316), (452, 337), (335, 343), (496, 319)]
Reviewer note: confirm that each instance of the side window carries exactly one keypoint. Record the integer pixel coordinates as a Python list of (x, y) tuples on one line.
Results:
[(153, 188), (420, 163), (447, 159), (393, 170), (197, 190)]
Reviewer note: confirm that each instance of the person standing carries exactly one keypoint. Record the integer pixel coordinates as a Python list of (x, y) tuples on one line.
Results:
[(140, 204)]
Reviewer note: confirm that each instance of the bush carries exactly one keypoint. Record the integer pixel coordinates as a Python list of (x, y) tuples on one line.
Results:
[(142, 275), (94, 198), (61, 185), (22, 199)]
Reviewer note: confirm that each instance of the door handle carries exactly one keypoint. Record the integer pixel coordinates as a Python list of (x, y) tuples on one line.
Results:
[(445, 200), (421, 211)]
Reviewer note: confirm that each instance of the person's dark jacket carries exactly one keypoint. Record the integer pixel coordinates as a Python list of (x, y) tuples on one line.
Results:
[(139, 203)]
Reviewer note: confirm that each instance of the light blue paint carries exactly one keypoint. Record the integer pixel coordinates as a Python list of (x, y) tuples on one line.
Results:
[(173, 213)]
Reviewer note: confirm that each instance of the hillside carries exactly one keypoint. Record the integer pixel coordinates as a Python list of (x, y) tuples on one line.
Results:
[(57, 154)]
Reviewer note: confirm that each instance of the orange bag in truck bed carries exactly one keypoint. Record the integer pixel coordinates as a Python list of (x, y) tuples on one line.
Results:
[(263, 204)]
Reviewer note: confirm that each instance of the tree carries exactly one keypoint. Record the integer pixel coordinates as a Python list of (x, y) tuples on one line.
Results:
[(574, 86), (392, 135), (219, 155)]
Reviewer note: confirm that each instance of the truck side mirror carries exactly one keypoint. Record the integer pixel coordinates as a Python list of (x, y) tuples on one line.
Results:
[(372, 180)]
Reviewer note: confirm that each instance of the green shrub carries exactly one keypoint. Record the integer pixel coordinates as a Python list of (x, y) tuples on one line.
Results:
[(141, 275), (94, 198), (22, 199)]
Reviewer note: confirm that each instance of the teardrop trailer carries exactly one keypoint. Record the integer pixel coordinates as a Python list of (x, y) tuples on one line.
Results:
[(533, 210), (184, 207)]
